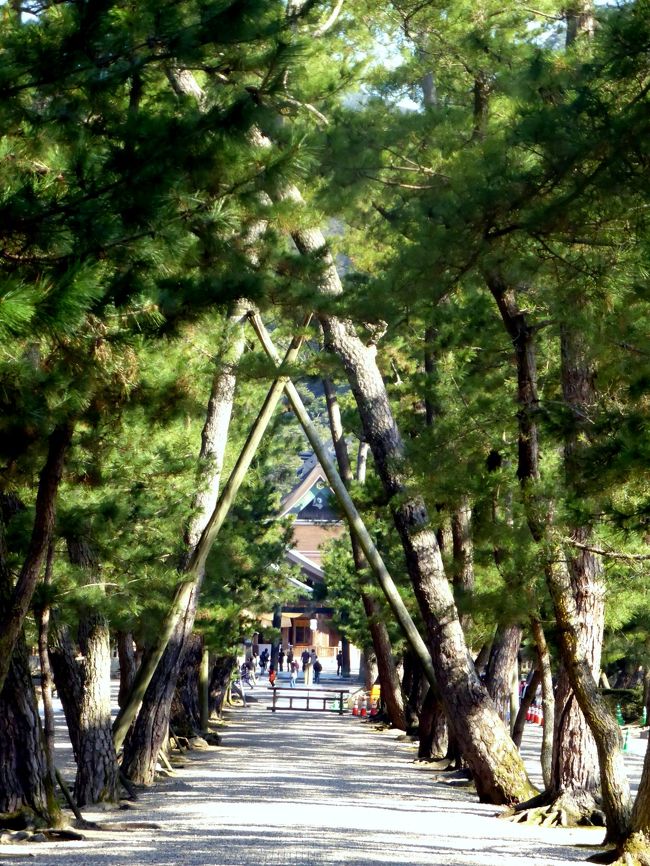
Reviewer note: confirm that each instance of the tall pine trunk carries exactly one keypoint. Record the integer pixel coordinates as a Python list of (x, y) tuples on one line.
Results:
[(558, 569), (97, 777), (127, 663), (186, 708), (575, 756), (501, 667), (68, 678), (26, 785), (548, 700), (463, 554), (42, 616), (26, 778), (97, 769)]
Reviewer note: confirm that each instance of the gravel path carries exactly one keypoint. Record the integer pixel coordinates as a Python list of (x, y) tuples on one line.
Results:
[(296, 789)]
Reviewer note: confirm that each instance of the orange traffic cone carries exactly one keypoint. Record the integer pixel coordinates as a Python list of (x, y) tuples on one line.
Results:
[(540, 716), (364, 710), (373, 708)]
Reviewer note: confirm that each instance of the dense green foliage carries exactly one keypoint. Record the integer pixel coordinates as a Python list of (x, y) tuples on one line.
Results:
[(444, 145)]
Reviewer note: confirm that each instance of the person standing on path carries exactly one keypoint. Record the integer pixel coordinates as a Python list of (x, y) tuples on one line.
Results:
[(289, 657), (308, 670), (317, 669), (339, 663), (293, 678), (281, 659)]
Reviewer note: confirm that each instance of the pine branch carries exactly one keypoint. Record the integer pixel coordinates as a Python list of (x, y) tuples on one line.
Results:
[(611, 554), (330, 22), (308, 107)]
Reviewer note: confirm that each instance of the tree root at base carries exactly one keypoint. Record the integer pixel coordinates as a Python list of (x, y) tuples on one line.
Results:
[(569, 809), (635, 851)]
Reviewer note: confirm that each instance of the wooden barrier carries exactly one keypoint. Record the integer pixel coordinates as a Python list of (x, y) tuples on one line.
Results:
[(308, 697)]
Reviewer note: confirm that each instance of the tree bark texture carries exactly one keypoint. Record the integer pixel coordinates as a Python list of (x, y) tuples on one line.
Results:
[(97, 769), (128, 666), (524, 705), (463, 553), (14, 613), (219, 682), (214, 435), (47, 682), (370, 669), (391, 689), (501, 665), (413, 689), (97, 777), (575, 758), (149, 733), (25, 782), (186, 709), (433, 741), (68, 678)]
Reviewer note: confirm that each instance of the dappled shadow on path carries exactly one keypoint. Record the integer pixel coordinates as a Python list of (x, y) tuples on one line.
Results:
[(295, 789)]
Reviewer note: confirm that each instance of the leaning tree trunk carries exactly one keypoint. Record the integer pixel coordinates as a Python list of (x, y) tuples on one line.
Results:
[(14, 612), (26, 785), (149, 734), (150, 730)]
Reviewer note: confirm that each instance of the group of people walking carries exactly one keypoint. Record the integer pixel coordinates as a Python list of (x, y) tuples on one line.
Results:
[(308, 663)]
